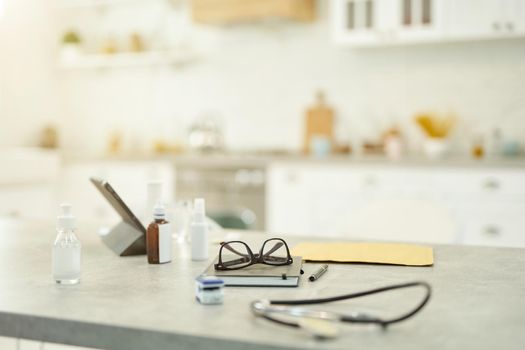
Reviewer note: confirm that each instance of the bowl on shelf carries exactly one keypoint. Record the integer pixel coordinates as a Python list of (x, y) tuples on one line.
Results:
[(435, 148)]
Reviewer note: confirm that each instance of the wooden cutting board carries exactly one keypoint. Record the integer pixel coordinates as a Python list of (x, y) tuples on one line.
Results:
[(319, 122)]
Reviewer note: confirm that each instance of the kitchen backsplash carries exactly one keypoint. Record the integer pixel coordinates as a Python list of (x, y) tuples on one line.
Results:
[(257, 81)]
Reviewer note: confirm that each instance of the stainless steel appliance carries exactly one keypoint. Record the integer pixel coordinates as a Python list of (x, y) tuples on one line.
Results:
[(235, 194)]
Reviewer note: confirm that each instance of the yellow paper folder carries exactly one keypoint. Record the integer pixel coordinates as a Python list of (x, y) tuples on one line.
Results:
[(372, 253)]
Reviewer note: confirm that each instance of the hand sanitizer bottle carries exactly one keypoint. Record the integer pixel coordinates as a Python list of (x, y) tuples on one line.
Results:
[(199, 231), (66, 249)]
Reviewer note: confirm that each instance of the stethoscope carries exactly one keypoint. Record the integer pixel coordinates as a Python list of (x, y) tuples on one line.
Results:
[(323, 324)]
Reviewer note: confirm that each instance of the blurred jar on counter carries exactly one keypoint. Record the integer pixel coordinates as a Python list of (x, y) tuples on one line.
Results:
[(205, 135), (478, 147), (49, 137), (320, 146), (109, 46), (393, 144), (136, 43)]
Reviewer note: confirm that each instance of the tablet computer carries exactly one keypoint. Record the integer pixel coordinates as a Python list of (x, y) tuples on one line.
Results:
[(128, 237)]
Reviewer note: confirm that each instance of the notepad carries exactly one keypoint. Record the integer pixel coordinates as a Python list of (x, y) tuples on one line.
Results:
[(372, 253), (260, 275)]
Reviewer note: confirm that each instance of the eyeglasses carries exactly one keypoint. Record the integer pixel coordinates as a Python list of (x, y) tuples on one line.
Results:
[(236, 255)]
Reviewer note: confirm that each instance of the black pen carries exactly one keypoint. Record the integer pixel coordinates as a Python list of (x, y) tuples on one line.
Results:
[(318, 273)]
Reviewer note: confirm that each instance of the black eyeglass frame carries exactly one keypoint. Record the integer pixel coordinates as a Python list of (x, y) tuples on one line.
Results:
[(254, 258)]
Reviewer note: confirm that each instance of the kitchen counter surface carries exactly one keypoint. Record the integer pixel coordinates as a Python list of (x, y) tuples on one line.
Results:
[(124, 303), (264, 159)]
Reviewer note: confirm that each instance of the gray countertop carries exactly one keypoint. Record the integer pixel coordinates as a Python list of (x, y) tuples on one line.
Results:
[(263, 159), (124, 303)]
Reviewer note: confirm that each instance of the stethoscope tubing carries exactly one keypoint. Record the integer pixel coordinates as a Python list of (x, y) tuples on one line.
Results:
[(267, 308)]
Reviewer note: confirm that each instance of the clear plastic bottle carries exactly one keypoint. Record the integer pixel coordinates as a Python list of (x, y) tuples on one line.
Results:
[(199, 231), (66, 249)]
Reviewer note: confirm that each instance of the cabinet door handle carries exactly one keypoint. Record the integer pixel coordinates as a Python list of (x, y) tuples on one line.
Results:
[(496, 26), (292, 178), (13, 213), (510, 26), (492, 231), (370, 181), (491, 184)]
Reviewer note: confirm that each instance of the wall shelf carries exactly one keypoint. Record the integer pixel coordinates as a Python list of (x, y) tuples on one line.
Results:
[(95, 3), (128, 60)]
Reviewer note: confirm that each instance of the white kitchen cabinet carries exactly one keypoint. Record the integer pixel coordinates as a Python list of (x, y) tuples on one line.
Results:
[(387, 22), (420, 20), (485, 19), (7, 343), (331, 200), (289, 201), (29, 201), (481, 206), (474, 19), (355, 22), (397, 22), (514, 14), (28, 182)]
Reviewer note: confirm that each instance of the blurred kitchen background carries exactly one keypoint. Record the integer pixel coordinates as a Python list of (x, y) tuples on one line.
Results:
[(401, 120)]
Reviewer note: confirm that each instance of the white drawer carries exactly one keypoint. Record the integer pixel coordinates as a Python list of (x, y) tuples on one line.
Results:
[(22, 166), (477, 208), (508, 183), (351, 180), (29, 202), (495, 230)]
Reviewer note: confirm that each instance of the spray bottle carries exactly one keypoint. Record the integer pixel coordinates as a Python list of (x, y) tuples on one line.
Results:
[(199, 231)]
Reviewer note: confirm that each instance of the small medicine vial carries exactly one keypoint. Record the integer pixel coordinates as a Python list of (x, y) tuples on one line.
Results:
[(158, 237), (66, 249)]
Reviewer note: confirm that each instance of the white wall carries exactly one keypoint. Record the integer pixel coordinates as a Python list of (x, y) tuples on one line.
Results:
[(29, 97), (259, 79)]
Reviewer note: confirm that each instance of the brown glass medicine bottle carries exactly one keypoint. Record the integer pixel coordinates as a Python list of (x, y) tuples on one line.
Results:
[(158, 238)]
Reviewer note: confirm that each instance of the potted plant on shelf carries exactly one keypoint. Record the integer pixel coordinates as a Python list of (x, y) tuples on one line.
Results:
[(71, 45)]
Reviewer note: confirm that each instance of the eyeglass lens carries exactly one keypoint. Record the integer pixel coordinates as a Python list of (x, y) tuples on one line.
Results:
[(235, 255), (274, 252)]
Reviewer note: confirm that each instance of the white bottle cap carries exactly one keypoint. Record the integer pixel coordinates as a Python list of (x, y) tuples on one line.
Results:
[(159, 212), (66, 221), (199, 210)]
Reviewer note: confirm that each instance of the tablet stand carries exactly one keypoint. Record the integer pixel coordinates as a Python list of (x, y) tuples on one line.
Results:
[(125, 239)]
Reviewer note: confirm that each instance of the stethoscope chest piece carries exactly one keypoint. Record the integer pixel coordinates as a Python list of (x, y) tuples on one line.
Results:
[(322, 329)]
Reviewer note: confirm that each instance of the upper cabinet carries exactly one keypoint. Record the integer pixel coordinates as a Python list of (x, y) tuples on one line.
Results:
[(485, 18), (394, 22), (419, 19)]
